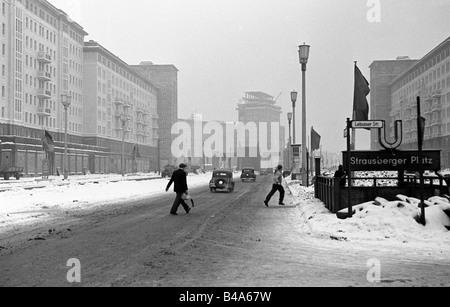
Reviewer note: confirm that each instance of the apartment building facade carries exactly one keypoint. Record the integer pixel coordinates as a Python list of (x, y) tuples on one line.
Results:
[(166, 78), (120, 105), (41, 59), (428, 78), (43, 55)]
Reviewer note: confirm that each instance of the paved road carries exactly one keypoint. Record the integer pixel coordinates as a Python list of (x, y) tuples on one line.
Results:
[(226, 240)]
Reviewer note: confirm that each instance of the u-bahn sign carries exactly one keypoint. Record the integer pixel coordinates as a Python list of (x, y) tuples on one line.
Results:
[(393, 160)]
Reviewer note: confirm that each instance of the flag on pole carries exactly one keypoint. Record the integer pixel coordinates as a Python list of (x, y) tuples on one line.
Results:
[(360, 104), (315, 140), (47, 142)]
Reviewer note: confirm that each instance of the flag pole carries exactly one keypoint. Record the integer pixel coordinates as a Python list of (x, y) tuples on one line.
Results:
[(420, 133), (349, 172), (353, 145)]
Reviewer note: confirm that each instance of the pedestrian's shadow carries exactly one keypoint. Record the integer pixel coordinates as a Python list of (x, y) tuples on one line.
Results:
[(282, 207)]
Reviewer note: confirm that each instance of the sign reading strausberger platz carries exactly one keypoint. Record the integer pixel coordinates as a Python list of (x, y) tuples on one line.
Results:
[(393, 160)]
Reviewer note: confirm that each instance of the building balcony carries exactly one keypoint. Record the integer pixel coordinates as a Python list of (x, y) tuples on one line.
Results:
[(44, 94), (436, 106), (427, 110), (44, 76), (127, 105), (436, 121), (141, 131), (139, 120), (43, 111), (119, 127), (427, 98), (436, 94), (394, 113), (118, 101), (43, 57)]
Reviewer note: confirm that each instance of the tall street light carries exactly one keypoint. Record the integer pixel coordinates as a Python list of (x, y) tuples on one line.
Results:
[(303, 52), (289, 116), (66, 101), (123, 119), (159, 155)]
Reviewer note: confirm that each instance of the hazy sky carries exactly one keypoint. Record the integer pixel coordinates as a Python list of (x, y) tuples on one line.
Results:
[(224, 48)]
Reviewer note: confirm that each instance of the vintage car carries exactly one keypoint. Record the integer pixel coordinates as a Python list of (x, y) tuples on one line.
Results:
[(264, 171), (222, 180), (248, 173), (168, 171)]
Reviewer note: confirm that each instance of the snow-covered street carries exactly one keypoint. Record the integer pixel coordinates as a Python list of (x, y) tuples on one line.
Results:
[(123, 235), (391, 224)]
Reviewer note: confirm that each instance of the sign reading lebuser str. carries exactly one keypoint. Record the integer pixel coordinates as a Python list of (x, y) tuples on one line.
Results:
[(393, 160)]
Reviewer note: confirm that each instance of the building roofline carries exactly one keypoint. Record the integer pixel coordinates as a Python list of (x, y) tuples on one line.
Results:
[(61, 13), (420, 62), (93, 46), (389, 61), (148, 64)]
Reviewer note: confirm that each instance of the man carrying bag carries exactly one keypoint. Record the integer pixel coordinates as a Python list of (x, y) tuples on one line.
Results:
[(179, 178)]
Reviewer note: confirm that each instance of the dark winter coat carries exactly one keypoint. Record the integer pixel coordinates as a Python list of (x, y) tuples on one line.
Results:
[(179, 178)]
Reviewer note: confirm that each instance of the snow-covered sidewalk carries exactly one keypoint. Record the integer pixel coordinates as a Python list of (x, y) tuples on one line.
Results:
[(392, 222)]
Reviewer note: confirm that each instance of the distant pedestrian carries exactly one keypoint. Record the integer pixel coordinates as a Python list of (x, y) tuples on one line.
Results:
[(179, 178), (340, 173), (277, 186)]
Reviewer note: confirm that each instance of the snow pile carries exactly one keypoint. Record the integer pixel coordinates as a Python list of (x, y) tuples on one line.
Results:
[(379, 220)]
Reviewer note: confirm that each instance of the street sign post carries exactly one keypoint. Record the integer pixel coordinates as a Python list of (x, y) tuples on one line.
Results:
[(369, 124)]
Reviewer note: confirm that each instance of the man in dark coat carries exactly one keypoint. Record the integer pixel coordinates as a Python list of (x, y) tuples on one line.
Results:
[(340, 173), (180, 188)]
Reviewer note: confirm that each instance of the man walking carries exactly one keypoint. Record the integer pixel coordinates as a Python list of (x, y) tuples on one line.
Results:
[(180, 188), (277, 186)]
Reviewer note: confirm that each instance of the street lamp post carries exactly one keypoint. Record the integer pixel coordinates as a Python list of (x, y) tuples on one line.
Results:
[(159, 156), (66, 101), (123, 119), (304, 55), (289, 116)]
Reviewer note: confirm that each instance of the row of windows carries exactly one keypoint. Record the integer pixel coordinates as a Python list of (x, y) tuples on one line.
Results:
[(414, 88), (424, 68), (50, 122), (111, 79), (32, 26), (122, 72)]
